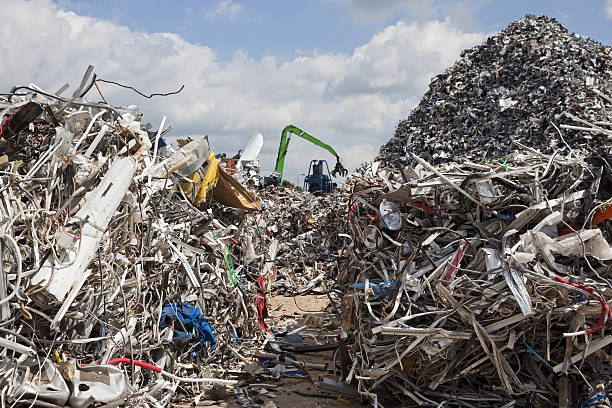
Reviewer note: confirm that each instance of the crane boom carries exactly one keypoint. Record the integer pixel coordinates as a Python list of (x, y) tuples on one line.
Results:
[(284, 144)]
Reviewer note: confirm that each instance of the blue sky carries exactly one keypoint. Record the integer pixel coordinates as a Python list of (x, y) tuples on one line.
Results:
[(260, 27), (346, 71), (291, 27)]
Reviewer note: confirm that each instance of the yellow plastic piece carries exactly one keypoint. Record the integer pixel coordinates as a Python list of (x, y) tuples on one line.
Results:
[(210, 179), (225, 189), (204, 183), (58, 359)]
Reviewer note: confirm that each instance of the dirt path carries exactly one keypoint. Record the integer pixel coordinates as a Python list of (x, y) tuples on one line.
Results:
[(295, 312)]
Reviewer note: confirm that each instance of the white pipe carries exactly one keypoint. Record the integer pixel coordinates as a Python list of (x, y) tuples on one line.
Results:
[(9, 239), (157, 137), (102, 112), (198, 380)]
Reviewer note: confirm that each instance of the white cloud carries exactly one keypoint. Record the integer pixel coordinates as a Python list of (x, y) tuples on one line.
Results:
[(351, 101), (608, 9), (225, 8)]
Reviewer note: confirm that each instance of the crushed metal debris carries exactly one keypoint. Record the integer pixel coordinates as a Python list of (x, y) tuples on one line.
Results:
[(534, 83)]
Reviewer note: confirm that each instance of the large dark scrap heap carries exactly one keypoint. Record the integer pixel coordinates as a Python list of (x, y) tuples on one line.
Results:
[(516, 86), (478, 266)]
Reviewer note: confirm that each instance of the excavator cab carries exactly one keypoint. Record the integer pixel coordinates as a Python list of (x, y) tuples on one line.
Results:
[(319, 180)]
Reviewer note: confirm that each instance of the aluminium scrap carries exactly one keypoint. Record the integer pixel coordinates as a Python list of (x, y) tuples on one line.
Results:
[(102, 229), (493, 286)]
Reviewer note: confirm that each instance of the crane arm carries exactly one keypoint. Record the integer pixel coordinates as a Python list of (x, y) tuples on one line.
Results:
[(284, 144)]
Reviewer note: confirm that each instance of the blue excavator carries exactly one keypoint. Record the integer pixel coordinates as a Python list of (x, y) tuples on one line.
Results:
[(319, 179)]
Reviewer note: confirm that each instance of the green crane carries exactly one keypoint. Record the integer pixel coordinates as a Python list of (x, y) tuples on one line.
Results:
[(284, 144)]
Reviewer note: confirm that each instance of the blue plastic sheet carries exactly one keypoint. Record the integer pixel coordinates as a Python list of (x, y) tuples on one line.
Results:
[(188, 323)]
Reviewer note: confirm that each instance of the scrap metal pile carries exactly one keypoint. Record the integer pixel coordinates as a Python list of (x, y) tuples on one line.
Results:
[(296, 235), (515, 86), (115, 249), (480, 284), (479, 262), (468, 266)]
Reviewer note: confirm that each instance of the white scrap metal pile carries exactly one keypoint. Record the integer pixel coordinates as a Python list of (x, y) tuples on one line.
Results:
[(114, 250)]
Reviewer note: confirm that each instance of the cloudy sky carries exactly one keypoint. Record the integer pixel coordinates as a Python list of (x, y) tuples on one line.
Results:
[(345, 71)]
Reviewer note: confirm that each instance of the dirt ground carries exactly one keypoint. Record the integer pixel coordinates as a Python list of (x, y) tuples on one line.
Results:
[(281, 392)]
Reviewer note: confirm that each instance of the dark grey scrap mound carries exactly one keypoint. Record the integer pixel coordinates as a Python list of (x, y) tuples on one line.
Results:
[(512, 87)]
